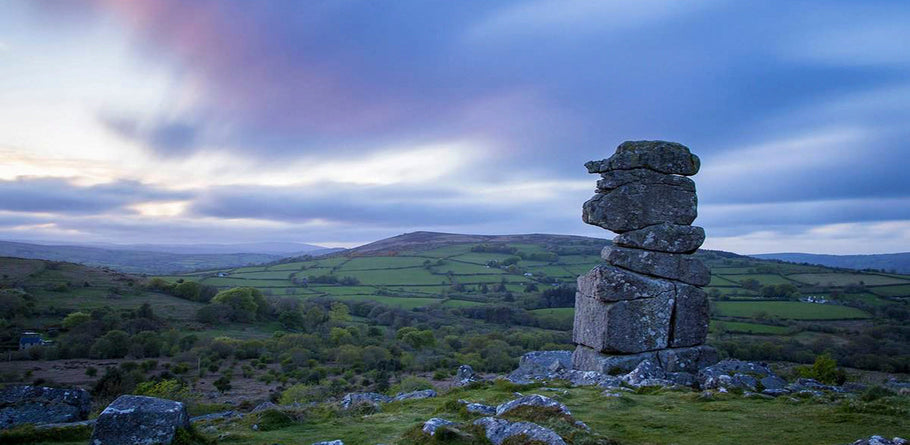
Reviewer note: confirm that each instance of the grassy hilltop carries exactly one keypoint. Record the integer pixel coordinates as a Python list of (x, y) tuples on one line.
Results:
[(401, 314)]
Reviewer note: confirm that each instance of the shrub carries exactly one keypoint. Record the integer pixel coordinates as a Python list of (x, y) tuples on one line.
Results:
[(824, 370), (411, 383)]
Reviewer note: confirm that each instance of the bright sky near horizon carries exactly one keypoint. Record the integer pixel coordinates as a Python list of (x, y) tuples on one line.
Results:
[(343, 122)]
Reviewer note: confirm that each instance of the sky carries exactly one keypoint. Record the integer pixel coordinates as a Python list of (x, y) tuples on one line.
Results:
[(343, 122)]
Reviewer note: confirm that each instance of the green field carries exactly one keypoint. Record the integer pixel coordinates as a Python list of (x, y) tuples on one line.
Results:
[(892, 291), (844, 279), (789, 310), (748, 328)]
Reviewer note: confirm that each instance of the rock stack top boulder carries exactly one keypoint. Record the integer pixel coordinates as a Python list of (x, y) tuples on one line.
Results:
[(646, 301)]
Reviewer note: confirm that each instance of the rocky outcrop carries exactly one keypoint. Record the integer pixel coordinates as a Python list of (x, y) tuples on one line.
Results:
[(140, 420), (645, 303), (330, 442), (415, 395), (879, 440), (353, 399), (465, 376), (430, 426), (734, 374), (38, 404), (531, 400), (499, 430)]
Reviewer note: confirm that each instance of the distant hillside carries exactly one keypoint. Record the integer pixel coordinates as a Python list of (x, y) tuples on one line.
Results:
[(134, 261), (890, 262), (432, 240), (270, 248)]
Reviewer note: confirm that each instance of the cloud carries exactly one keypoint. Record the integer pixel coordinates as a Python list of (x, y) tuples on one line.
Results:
[(56, 195)]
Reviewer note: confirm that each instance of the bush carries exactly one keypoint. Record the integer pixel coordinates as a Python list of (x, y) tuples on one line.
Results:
[(824, 370), (411, 383), (302, 393)]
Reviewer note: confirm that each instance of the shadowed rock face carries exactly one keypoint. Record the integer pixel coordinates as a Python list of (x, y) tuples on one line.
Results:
[(140, 420), (636, 206), (645, 303)]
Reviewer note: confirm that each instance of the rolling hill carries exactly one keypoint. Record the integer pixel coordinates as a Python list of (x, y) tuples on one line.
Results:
[(143, 259), (890, 262)]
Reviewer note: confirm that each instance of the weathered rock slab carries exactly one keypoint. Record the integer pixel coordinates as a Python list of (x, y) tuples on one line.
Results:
[(140, 420), (614, 179), (661, 156), (665, 237), (691, 318), (610, 283), (628, 326), (21, 404), (636, 206), (499, 430), (673, 266)]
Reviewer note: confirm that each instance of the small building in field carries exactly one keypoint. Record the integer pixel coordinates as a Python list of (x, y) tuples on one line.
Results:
[(31, 339)]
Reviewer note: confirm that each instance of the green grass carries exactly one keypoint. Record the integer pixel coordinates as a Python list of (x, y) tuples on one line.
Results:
[(383, 262), (241, 282), (559, 313), (892, 291), (401, 302), (268, 275), (717, 280), (764, 279), (461, 303), (466, 269), (416, 275), (481, 258), (664, 417), (843, 279), (748, 328), (789, 310)]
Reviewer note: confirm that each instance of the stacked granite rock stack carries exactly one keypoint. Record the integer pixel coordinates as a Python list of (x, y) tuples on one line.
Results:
[(646, 302)]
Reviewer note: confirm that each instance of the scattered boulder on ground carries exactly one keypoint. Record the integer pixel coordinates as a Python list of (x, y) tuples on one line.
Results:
[(556, 365), (879, 440), (465, 376), (479, 408), (430, 426), (414, 395), (140, 420), (22, 404), (330, 442), (499, 430), (531, 400), (353, 399)]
